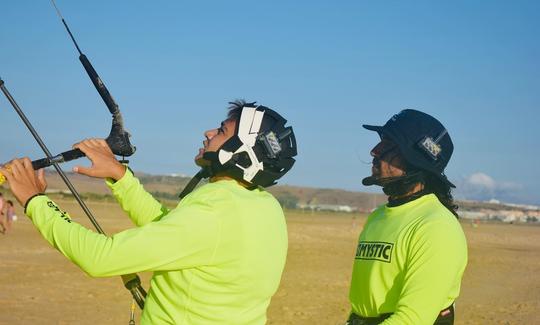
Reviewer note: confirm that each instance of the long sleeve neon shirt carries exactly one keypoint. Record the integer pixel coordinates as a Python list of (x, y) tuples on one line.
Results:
[(409, 262), (217, 257)]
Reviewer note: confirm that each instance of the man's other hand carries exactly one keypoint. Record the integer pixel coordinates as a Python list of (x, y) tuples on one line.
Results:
[(23, 180), (104, 164)]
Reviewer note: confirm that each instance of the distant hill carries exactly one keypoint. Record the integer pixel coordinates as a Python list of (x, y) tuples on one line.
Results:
[(364, 202), (168, 187)]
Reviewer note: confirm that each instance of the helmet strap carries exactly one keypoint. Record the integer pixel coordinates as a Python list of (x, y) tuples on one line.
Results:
[(397, 187), (203, 173)]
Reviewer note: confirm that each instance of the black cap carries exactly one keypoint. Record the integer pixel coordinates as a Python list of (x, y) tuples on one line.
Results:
[(422, 140)]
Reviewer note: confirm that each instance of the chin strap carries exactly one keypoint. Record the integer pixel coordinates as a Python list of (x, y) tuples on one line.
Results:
[(406, 199), (203, 173), (214, 167), (396, 186)]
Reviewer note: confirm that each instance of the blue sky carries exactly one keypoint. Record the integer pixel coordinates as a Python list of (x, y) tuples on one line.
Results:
[(327, 66)]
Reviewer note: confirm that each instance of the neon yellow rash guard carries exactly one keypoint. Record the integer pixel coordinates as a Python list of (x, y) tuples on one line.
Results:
[(409, 262), (217, 257)]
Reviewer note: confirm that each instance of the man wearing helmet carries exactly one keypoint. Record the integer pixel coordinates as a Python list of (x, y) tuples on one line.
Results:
[(412, 252), (218, 256), (252, 146)]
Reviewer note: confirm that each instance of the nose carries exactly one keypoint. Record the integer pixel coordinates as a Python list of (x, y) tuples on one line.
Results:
[(376, 151), (210, 133), (373, 153)]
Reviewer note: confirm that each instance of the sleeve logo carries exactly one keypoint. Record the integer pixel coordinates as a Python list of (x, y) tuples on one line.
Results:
[(378, 251), (63, 214)]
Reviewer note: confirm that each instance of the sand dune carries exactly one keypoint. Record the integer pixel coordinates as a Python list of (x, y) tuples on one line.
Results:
[(39, 286)]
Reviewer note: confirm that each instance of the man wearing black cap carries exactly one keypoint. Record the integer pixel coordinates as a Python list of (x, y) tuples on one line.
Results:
[(412, 252)]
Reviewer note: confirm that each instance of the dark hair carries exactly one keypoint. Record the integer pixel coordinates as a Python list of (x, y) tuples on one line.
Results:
[(443, 191), (10, 202), (235, 109)]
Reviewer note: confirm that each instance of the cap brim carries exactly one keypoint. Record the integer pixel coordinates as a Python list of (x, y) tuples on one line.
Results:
[(375, 128)]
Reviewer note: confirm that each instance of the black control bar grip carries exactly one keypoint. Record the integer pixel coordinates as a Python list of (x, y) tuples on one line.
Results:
[(63, 157), (100, 86)]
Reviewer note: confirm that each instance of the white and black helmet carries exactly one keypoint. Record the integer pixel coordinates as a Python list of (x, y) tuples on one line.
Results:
[(260, 152)]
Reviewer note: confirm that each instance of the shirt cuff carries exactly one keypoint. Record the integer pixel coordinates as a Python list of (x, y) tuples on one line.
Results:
[(34, 204), (121, 184)]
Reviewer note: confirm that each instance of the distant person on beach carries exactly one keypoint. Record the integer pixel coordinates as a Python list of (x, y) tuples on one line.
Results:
[(3, 221), (10, 215), (412, 252), (218, 256)]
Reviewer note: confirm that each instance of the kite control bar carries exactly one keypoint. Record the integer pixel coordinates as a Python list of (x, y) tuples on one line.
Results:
[(131, 281), (118, 141)]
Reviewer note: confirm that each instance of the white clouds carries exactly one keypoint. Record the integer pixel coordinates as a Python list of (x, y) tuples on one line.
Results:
[(481, 180), (481, 186), (484, 181)]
